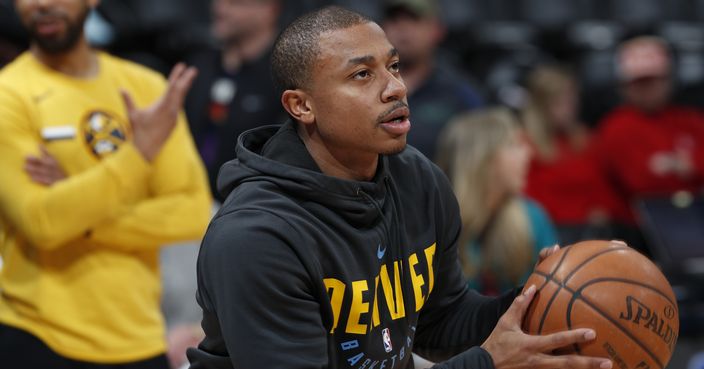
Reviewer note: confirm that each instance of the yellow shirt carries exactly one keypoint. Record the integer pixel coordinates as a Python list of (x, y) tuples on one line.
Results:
[(80, 257)]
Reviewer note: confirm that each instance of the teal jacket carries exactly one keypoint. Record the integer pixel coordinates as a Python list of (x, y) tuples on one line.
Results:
[(544, 235)]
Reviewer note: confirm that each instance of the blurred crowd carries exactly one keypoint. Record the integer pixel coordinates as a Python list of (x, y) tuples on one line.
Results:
[(555, 121)]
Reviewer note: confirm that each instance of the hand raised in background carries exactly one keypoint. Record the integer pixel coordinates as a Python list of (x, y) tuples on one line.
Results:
[(152, 125)]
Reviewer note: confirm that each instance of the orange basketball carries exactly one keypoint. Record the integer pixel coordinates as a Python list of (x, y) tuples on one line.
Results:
[(613, 289)]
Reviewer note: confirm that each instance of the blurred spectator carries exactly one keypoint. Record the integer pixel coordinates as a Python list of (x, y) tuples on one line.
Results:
[(93, 183), (8, 51), (648, 145), (564, 174), (13, 37), (234, 92), (155, 33), (436, 90), (486, 159)]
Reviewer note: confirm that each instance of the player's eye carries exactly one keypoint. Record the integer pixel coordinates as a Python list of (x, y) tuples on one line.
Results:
[(362, 74)]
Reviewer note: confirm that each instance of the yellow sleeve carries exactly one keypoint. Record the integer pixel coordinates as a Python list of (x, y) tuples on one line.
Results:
[(51, 216), (179, 205)]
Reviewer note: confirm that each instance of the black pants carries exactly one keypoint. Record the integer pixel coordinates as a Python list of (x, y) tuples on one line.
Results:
[(21, 350)]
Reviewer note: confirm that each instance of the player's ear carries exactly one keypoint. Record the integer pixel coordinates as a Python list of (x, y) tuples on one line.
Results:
[(299, 105)]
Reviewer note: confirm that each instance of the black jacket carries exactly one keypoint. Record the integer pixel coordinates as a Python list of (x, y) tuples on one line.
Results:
[(303, 270)]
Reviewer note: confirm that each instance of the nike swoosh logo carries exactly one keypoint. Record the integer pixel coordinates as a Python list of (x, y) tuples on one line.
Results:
[(39, 98), (379, 252)]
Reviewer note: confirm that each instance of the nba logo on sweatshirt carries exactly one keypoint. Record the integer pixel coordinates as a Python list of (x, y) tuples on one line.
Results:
[(386, 337)]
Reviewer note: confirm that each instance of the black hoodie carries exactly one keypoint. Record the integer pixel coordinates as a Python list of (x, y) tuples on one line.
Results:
[(303, 270)]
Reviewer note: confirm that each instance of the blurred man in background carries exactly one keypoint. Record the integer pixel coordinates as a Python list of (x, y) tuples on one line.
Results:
[(436, 91), (93, 183), (648, 145), (233, 92)]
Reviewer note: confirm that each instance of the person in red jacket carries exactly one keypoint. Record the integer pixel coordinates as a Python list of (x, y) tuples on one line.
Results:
[(564, 174), (649, 146)]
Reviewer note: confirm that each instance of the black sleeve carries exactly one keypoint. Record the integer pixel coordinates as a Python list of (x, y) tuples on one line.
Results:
[(456, 318), (259, 311)]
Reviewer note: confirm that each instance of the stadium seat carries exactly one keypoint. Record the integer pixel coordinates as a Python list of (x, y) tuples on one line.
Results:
[(553, 13), (370, 8), (636, 13), (683, 35), (460, 14), (595, 35)]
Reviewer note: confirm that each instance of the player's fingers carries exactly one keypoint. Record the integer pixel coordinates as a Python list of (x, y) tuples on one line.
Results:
[(514, 314), (561, 339), (45, 163), (32, 160), (38, 171), (38, 175), (176, 71), (174, 76), (53, 167), (544, 253), (573, 362), (31, 168), (36, 165), (178, 88)]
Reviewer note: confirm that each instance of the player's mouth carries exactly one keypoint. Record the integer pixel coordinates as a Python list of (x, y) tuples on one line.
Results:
[(397, 121), (48, 26)]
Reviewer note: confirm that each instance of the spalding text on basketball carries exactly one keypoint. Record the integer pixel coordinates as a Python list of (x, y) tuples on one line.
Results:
[(640, 314)]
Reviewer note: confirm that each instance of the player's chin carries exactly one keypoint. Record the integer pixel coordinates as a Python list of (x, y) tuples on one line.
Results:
[(396, 148)]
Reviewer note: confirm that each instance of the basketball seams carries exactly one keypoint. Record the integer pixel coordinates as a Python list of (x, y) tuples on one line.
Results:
[(630, 281), (550, 278), (558, 299), (564, 284), (549, 304), (544, 275), (578, 295), (590, 259), (559, 264), (568, 315)]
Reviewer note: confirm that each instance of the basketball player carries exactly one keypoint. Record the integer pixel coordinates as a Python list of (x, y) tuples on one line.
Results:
[(336, 247), (80, 280)]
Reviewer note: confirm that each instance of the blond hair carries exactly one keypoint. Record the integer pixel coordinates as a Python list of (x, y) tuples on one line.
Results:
[(544, 84), (467, 148)]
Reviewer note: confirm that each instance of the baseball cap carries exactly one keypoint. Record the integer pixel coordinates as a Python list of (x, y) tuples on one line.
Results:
[(421, 8), (643, 57)]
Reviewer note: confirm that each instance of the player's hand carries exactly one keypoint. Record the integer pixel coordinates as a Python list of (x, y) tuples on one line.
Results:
[(511, 348), (153, 125), (544, 253), (179, 339), (44, 169)]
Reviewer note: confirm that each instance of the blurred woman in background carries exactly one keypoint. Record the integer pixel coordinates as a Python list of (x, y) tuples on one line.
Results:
[(564, 175), (486, 159)]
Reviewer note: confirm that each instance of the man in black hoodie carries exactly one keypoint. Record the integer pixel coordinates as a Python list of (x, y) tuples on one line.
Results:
[(336, 246)]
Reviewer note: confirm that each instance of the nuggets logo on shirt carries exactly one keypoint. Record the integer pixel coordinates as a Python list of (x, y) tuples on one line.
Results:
[(360, 306), (103, 132)]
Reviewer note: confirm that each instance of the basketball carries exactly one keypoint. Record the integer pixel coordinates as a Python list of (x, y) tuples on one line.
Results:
[(613, 289)]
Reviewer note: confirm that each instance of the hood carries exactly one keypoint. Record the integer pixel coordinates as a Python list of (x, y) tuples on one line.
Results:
[(276, 154)]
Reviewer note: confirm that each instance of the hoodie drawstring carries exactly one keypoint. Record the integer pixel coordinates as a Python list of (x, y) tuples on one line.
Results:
[(395, 252)]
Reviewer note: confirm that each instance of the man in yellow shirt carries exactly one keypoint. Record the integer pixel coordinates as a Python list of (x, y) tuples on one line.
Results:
[(98, 170)]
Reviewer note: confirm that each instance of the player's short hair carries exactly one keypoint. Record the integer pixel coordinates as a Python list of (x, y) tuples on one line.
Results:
[(297, 47)]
